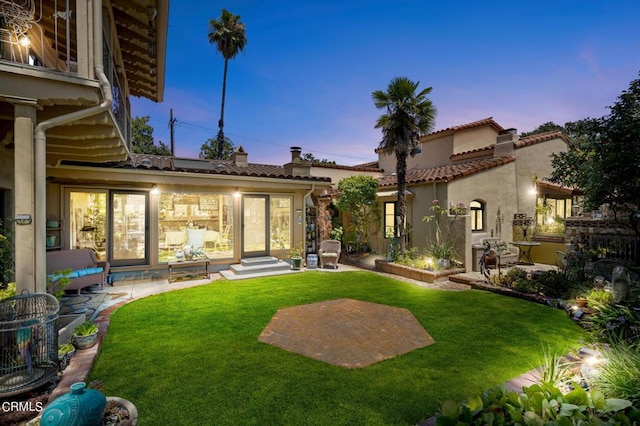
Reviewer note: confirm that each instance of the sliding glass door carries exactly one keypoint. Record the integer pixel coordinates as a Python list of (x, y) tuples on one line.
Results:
[(130, 228)]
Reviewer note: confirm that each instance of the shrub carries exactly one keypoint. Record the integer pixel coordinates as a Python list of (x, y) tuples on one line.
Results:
[(558, 285), (538, 405), (613, 322), (619, 375)]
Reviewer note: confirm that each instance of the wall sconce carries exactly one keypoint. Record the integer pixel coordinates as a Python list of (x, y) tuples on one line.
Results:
[(154, 190), (236, 193), (23, 219)]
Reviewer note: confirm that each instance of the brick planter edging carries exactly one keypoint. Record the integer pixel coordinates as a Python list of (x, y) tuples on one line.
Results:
[(415, 273)]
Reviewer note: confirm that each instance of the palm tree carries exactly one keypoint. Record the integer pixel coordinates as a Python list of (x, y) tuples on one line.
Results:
[(228, 34), (409, 115)]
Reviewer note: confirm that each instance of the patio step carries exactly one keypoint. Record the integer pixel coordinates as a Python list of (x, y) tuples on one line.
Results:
[(257, 267), (256, 261)]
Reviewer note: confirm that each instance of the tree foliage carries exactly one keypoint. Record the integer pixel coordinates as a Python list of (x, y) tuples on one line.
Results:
[(604, 159), (142, 138), (357, 195), (408, 116), (312, 158), (209, 149)]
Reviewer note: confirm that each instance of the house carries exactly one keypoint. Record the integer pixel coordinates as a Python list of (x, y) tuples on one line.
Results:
[(68, 177), (495, 173)]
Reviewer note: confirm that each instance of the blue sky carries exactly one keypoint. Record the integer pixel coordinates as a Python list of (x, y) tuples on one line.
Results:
[(309, 67)]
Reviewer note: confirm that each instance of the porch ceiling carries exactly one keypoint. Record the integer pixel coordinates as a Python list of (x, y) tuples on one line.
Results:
[(141, 32)]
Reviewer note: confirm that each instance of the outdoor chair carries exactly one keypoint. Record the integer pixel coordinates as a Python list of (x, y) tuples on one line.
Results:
[(329, 253)]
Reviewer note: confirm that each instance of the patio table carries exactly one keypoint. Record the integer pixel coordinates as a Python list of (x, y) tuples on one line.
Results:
[(183, 268), (524, 256)]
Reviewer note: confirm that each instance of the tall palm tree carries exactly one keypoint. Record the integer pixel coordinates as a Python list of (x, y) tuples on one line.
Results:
[(409, 115), (228, 34)]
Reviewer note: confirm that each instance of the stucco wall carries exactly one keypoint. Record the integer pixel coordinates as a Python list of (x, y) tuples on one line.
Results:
[(470, 139), (534, 160)]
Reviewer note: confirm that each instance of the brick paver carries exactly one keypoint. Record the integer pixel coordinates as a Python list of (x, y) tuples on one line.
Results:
[(345, 332)]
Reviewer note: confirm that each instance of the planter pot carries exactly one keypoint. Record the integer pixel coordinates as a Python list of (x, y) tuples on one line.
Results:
[(115, 411), (443, 263), (296, 263), (85, 342), (51, 241)]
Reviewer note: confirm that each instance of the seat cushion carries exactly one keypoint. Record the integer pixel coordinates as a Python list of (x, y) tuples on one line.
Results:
[(329, 254)]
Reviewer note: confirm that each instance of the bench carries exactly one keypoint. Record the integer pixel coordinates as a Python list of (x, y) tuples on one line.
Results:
[(86, 269)]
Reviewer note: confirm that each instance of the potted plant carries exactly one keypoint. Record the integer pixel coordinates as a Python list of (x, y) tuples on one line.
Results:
[(65, 353), (296, 257), (85, 335)]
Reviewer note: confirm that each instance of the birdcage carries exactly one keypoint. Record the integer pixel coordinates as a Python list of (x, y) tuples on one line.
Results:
[(28, 342)]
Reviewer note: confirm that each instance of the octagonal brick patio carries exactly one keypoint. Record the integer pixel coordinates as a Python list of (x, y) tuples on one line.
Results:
[(345, 332)]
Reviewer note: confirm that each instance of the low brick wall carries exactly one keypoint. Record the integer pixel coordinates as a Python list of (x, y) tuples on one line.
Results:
[(414, 273)]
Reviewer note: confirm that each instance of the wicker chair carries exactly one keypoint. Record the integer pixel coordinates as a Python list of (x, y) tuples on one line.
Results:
[(329, 253)]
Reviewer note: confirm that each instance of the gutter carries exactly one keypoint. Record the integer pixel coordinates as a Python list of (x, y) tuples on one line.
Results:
[(40, 149)]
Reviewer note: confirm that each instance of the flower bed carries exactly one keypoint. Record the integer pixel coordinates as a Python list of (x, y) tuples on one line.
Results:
[(414, 273)]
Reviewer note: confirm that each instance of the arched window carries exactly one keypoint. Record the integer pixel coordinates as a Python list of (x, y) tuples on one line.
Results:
[(477, 209)]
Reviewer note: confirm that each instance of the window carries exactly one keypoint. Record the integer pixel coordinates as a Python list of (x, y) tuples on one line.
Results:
[(551, 213), (390, 220), (201, 220), (477, 209)]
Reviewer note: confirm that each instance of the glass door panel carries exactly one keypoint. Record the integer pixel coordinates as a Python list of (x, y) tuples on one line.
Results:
[(129, 228), (254, 225), (88, 221), (280, 225)]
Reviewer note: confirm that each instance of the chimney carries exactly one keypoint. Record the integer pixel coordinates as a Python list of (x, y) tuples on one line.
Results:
[(295, 154), (505, 143), (239, 156), (297, 166)]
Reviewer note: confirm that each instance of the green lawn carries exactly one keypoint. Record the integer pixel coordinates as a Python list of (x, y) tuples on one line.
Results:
[(193, 357)]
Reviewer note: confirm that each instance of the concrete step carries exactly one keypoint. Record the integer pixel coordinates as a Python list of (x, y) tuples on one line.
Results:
[(228, 274), (240, 269), (256, 261)]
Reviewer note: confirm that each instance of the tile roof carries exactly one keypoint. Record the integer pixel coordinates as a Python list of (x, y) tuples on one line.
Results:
[(214, 167), (540, 137), (366, 167), (485, 150), (448, 172), (489, 121)]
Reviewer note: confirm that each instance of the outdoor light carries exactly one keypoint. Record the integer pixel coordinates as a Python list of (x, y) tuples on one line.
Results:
[(236, 193), (24, 41), (533, 191), (154, 190)]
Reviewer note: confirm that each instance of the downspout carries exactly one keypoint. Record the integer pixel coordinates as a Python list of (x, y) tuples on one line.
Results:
[(40, 149)]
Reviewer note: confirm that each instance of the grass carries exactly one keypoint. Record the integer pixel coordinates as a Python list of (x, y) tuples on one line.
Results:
[(193, 357)]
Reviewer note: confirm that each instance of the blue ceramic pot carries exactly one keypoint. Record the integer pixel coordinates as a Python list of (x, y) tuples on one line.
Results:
[(80, 407)]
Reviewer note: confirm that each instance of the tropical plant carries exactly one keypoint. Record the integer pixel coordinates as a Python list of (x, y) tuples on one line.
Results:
[(357, 195), (539, 405), (229, 36), (87, 328), (608, 322), (442, 244), (408, 116), (57, 282)]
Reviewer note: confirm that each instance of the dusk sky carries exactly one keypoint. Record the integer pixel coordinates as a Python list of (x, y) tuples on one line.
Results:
[(306, 75)]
